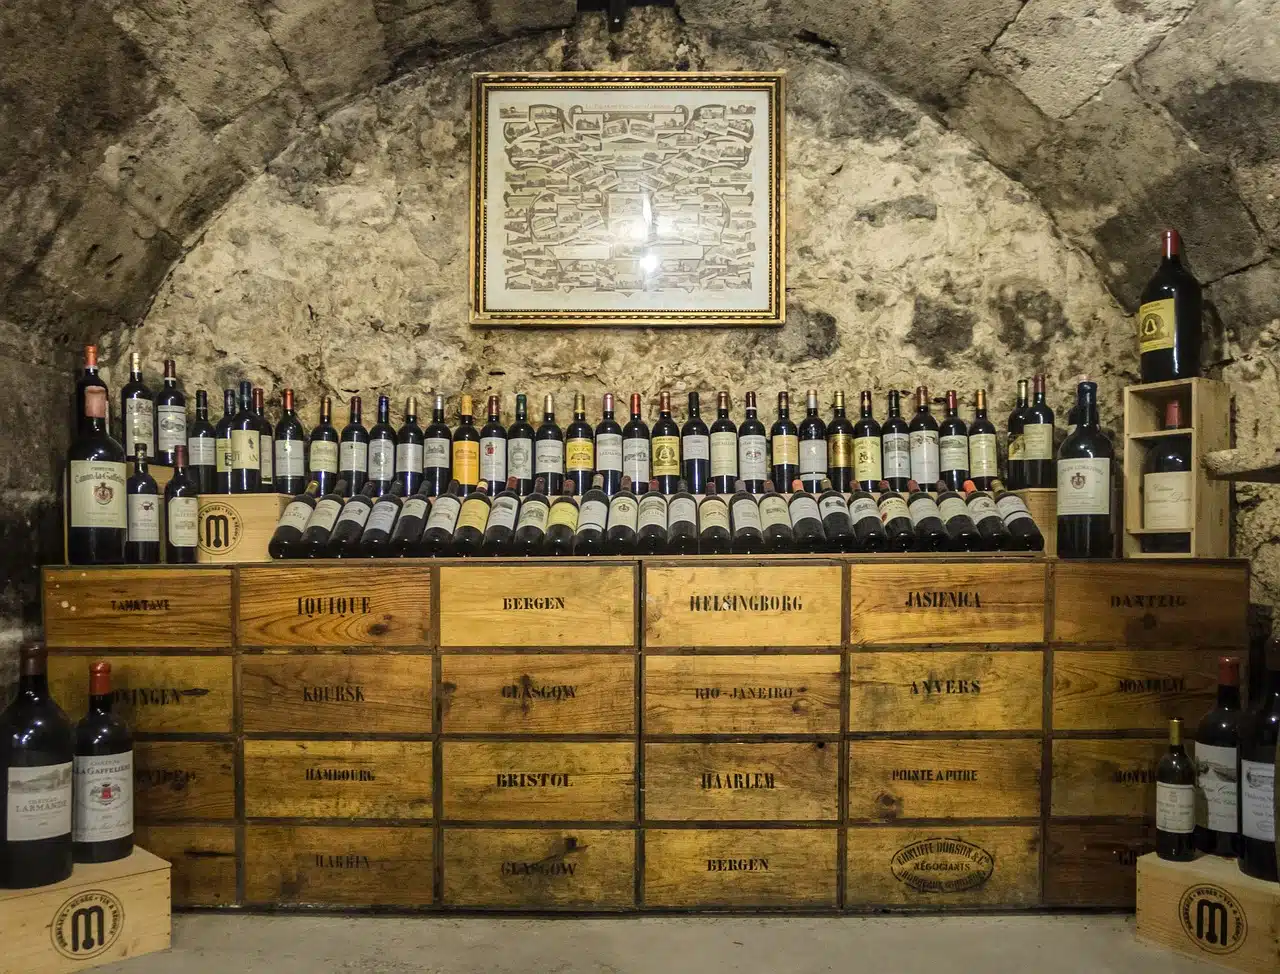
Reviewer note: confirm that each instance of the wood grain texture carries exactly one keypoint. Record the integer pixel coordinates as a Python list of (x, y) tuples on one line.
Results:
[(184, 780), (1123, 689), (946, 691), (539, 781), (727, 782), (1136, 604), (900, 780), (710, 868), (574, 693), (913, 604), (236, 528), (137, 608), (537, 606), (153, 694), (1094, 864), (721, 606), (309, 865), (352, 604), (337, 779), (203, 860), (1105, 778), (775, 694), (944, 866), (586, 869), (344, 693)]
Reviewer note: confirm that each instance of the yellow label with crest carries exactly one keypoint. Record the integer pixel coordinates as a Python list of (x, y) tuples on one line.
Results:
[(1155, 325)]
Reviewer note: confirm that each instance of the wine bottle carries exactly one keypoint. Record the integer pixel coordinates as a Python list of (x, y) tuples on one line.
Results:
[(744, 517), (353, 449), (562, 522), (682, 521), (493, 447), (926, 519), (102, 777), (500, 532), (437, 450), (89, 379), (1017, 465), (1167, 480), (724, 447), (182, 513), (1084, 483), (266, 450), (437, 536), (1037, 438), (695, 449), (171, 415), (609, 447), (411, 522), (1259, 729), (548, 449), (865, 524), (895, 438), (1169, 318), (837, 524), (714, 537), (520, 448), (784, 446), (222, 444), (635, 447), (579, 448), (290, 448), (531, 525), (753, 449), (806, 519), (1176, 801), (895, 515), (839, 446), (964, 534), (1017, 518), (466, 449), (775, 520), (866, 444), (624, 513), (322, 449), (651, 536), (409, 454), (987, 519), (286, 540), (473, 521), (202, 462), (984, 456), (382, 450), (98, 519), (376, 540), (137, 410), (923, 430), (315, 536), (36, 759), (1215, 752), (344, 540), (593, 519), (665, 445), (143, 547), (812, 442), (246, 466), (953, 445)]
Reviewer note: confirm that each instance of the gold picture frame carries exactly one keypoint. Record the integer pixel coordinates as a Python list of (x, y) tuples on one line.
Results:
[(628, 199)]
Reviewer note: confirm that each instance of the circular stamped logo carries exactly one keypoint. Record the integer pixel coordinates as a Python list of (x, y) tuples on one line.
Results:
[(1213, 919), (942, 866), (220, 528), (87, 924)]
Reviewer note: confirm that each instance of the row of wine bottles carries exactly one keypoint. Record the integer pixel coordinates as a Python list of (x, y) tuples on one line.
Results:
[(67, 791), (1220, 798)]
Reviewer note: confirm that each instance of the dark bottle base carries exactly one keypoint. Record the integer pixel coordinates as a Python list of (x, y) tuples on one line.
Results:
[(1258, 858), (1213, 843), (1176, 846), (108, 851), (43, 862)]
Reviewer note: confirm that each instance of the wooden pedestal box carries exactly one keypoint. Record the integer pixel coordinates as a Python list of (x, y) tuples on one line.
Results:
[(105, 912), (237, 528)]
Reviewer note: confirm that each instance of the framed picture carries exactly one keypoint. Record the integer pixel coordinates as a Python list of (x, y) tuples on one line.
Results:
[(628, 199)]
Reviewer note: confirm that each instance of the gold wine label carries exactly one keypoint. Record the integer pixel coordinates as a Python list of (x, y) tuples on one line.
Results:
[(579, 454), (866, 459), (786, 450), (839, 450), (1155, 325), (475, 514), (466, 461), (666, 456)]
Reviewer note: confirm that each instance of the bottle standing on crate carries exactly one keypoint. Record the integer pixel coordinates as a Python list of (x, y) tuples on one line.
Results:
[(493, 446), (315, 537), (984, 457), (548, 449), (1167, 482), (651, 535), (466, 449), (1022, 526), (344, 540), (635, 447), (624, 520), (593, 519), (382, 449), (102, 777), (665, 447), (144, 512), (609, 447), (784, 446), (531, 524), (182, 513), (579, 448), (411, 523), (437, 451), (520, 448), (744, 518), (201, 454), (562, 523), (222, 443), (376, 540), (89, 379), (775, 520), (926, 519), (895, 515), (1084, 483), (246, 467), (37, 752), (1259, 730), (964, 534), (1017, 464), (714, 537), (409, 452), (500, 532), (811, 439), (137, 410), (925, 461), (1037, 437), (98, 515), (322, 449), (290, 448), (353, 449), (682, 522), (987, 519), (1176, 801), (695, 449), (724, 447), (953, 445), (840, 451), (753, 449), (895, 439), (1215, 752), (1169, 318), (171, 415), (837, 524), (868, 448), (266, 451), (806, 519), (286, 540), (473, 519), (437, 538)]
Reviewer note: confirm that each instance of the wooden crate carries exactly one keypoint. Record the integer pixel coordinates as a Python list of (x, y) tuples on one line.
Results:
[(1042, 502), (236, 528), (1206, 403), (104, 912)]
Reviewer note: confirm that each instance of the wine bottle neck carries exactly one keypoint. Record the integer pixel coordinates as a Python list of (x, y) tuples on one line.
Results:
[(100, 702), (1228, 697), (34, 686)]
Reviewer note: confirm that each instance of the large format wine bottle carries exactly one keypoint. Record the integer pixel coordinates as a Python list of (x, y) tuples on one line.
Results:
[(90, 378), (1169, 330), (98, 521), (143, 547), (520, 449), (1259, 730), (202, 459), (1037, 437), (753, 449), (548, 448), (493, 446), (579, 447), (665, 447), (1167, 478), (1176, 802), (102, 818), (181, 512), (465, 458), (635, 447), (1084, 483), (609, 447), (290, 448), (246, 440), (171, 415), (353, 450), (382, 449), (695, 448), (137, 410), (1215, 751), (36, 755)]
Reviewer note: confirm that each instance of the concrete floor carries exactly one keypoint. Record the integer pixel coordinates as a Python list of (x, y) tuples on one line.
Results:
[(221, 943)]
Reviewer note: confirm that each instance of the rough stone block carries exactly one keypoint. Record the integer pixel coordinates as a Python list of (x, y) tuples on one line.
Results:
[(1000, 119), (441, 26), (333, 49), (510, 16), (1248, 306), (1218, 42)]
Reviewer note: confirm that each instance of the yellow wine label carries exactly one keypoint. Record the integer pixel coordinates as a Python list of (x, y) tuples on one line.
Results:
[(840, 450), (564, 513), (474, 514), (579, 454), (786, 450), (466, 462), (666, 456), (1155, 325), (1016, 451), (244, 450), (222, 455), (867, 463)]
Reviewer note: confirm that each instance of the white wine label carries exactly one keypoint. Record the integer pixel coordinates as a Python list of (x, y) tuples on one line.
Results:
[(682, 509), (323, 455), (1012, 507), (353, 456), (863, 507), (184, 521), (520, 459), (296, 515), (1156, 321), (773, 512), (635, 460), (609, 451), (103, 789), (1084, 486), (867, 463), (290, 458), (503, 512), (953, 452), (200, 452), (982, 507), (897, 455), (653, 511), (623, 511), (952, 507), (244, 450), (172, 423), (666, 456), (803, 506), (98, 494), (533, 514), (784, 450), (1037, 441), (1166, 501), (382, 517), (436, 452), (714, 513), (144, 517), (813, 458), (548, 457), (983, 458), (1017, 450), (139, 425), (382, 459), (1216, 787), (696, 446), (892, 507), (836, 504), (579, 454), (724, 455), (222, 458), (593, 514), (409, 457), (474, 514), (1258, 800), (753, 457), (746, 514), (565, 514), (444, 513), (325, 515), (1175, 808), (355, 512), (39, 803), (266, 459), (413, 507), (922, 506), (924, 457)]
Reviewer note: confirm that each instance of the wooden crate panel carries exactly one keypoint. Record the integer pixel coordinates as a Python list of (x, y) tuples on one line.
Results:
[(709, 868), (548, 693), (946, 602), (343, 693), (1176, 604), (729, 782), (137, 608), (1095, 863), (184, 780), (944, 866), (357, 604), (1124, 689), (586, 869), (893, 780), (337, 779), (537, 606), (539, 781), (154, 694), (946, 691), (337, 865), (720, 606), (1105, 778), (774, 694), (202, 860)]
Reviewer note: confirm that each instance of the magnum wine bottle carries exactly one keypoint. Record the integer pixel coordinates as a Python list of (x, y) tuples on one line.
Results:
[(376, 540), (548, 449), (714, 537), (624, 520), (1176, 801), (465, 461), (344, 540), (473, 519), (682, 522), (89, 379), (202, 458), (520, 448), (635, 447), (290, 446), (579, 447), (143, 547), (137, 410), (953, 445), (1169, 318), (1084, 484), (437, 537), (102, 777), (1017, 462), (531, 525), (500, 532), (651, 536), (562, 523), (724, 447), (286, 541), (322, 449), (609, 447), (784, 446), (926, 519), (98, 516), (382, 449), (1215, 752), (171, 415), (593, 519), (666, 447), (695, 449), (182, 513), (315, 536), (895, 515), (493, 447), (753, 449), (775, 520), (437, 450), (353, 450), (1259, 730)]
